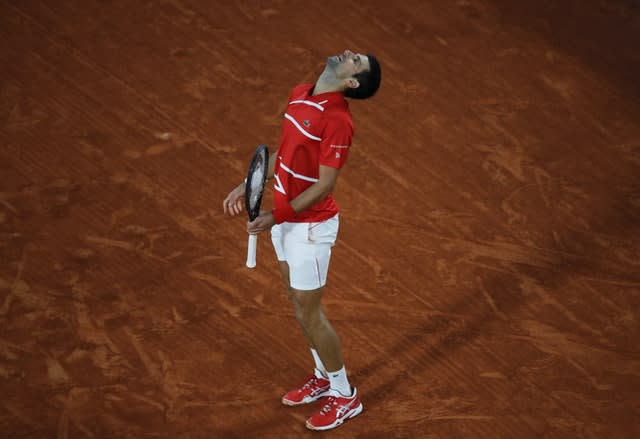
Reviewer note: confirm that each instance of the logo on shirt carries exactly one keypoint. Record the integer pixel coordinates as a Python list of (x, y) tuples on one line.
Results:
[(306, 123), (337, 155)]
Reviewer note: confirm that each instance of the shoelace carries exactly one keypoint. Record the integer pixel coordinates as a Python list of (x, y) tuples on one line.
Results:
[(329, 405), (310, 383)]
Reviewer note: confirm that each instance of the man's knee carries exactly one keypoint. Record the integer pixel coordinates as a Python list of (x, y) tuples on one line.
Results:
[(308, 308), (298, 311), (314, 319)]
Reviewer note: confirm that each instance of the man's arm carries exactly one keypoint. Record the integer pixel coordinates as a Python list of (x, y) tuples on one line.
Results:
[(233, 204), (314, 193), (317, 191)]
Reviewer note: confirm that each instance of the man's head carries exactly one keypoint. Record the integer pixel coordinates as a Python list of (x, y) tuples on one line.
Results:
[(356, 74)]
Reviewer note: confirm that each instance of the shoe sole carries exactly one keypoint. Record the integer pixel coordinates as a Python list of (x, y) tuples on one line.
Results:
[(352, 414), (306, 400)]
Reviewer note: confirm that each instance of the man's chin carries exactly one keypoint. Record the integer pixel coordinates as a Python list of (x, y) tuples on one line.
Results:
[(333, 61)]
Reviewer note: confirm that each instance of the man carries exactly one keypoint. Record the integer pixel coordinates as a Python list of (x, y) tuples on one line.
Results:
[(315, 143)]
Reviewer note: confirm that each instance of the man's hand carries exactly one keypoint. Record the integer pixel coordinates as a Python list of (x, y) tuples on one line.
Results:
[(264, 222), (234, 203)]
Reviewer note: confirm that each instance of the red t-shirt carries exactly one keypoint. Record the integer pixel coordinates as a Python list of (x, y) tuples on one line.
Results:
[(317, 130)]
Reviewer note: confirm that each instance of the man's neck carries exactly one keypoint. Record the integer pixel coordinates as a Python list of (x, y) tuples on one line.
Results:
[(324, 88), (326, 84)]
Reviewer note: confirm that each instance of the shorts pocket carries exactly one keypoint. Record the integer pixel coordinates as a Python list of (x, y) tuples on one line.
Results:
[(324, 232)]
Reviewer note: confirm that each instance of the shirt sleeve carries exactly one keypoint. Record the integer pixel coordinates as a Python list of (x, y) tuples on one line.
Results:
[(336, 141)]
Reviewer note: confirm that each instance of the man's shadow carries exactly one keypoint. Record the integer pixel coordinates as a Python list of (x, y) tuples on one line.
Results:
[(614, 224)]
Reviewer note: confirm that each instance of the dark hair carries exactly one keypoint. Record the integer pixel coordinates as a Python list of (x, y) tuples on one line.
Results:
[(369, 81)]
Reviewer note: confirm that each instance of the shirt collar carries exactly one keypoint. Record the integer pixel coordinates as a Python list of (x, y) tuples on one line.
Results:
[(326, 99)]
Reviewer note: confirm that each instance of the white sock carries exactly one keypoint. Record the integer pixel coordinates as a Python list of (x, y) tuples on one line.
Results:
[(339, 382), (320, 370)]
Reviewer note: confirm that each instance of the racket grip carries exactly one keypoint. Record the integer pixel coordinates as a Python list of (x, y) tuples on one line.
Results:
[(251, 251)]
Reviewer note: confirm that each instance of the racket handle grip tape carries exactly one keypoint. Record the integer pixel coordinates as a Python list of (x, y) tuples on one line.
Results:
[(251, 251)]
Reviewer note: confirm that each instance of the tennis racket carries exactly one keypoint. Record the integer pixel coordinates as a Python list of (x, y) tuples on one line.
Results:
[(256, 178)]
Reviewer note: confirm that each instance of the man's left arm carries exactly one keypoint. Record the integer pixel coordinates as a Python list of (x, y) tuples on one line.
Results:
[(334, 150), (316, 192)]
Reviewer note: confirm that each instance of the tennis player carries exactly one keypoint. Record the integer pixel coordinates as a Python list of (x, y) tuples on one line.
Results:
[(316, 137)]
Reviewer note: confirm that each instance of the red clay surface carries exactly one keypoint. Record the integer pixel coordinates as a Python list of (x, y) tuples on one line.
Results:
[(486, 281)]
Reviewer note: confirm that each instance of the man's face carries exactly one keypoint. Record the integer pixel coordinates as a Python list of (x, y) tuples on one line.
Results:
[(348, 64)]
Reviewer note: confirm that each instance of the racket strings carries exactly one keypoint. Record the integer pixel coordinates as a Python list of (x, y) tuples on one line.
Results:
[(256, 184), (256, 179)]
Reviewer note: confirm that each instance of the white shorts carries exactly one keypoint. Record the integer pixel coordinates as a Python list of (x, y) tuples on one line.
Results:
[(306, 247)]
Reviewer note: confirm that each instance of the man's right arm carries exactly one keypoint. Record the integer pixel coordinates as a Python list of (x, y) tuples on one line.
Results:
[(233, 204)]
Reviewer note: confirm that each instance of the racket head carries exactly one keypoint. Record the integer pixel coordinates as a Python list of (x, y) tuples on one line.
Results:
[(256, 179)]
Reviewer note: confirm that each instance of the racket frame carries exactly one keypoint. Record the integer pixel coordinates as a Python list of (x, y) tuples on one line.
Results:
[(261, 155)]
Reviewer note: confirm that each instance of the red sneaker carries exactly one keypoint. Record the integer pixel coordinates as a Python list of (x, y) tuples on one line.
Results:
[(312, 390), (335, 411)]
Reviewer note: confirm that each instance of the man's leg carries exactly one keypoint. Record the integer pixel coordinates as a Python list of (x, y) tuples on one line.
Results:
[(323, 336), (319, 330), (317, 385), (321, 371), (284, 270), (342, 402)]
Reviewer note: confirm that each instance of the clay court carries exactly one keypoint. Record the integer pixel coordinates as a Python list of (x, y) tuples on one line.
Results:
[(486, 279)]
